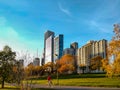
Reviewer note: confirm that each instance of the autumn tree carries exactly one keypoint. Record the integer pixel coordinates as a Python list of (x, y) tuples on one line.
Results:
[(49, 67), (66, 64), (29, 70), (7, 59), (113, 69), (18, 72), (38, 70), (96, 63), (82, 67)]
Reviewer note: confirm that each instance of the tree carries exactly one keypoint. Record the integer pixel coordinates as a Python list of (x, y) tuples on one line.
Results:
[(49, 67), (66, 68), (117, 65), (7, 59), (29, 70), (96, 63), (113, 68), (82, 67), (66, 64), (18, 72)]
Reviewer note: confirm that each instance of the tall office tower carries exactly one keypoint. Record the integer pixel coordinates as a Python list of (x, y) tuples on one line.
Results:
[(74, 46), (36, 62), (48, 46), (42, 61), (58, 47), (90, 50)]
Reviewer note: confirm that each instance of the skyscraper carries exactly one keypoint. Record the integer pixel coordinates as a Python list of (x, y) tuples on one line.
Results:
[(74, 46), (36, 62), (58, 47), (48, 46)]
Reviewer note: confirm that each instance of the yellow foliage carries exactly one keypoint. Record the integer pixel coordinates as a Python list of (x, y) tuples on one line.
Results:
[(113, 69), (117, 64), (114, 47), (110, 71)]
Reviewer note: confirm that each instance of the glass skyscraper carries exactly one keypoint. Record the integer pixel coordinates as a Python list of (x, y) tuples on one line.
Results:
[(48, 46), (58, 47), (53, 47)]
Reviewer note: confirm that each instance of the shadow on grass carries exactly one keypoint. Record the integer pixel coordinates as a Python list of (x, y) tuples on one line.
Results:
[(8, 88), (70, 76)]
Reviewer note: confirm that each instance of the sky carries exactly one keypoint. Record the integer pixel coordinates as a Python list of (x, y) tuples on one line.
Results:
[(24, 22)]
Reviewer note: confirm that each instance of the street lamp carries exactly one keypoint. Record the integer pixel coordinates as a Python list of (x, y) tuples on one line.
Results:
[(57, 69)]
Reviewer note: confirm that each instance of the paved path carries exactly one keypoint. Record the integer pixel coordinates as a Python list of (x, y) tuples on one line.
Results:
[(73, 87)]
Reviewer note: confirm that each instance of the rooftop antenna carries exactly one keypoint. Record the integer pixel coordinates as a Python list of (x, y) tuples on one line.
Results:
[(37, 52)]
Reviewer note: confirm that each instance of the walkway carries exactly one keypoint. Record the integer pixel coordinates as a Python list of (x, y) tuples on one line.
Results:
[(73, 87)]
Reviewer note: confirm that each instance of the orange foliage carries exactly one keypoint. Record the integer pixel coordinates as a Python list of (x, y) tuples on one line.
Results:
[(67, 59), (96, 63), (66, 64), (65, 68)]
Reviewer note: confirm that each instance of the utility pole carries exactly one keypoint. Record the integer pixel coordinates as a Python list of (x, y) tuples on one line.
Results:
[(57, 70)]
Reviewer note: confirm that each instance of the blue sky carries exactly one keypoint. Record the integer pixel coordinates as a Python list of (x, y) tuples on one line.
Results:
[(23, 22)]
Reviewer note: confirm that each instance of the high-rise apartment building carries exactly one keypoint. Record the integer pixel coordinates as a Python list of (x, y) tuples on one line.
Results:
[(48, 46), (58, 47), (90, 50)]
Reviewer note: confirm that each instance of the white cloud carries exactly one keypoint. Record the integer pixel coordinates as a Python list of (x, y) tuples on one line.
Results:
[(64, 10), (100, 27)]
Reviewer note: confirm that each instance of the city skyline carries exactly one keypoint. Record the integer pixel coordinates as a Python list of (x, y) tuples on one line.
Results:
[(23, 23)]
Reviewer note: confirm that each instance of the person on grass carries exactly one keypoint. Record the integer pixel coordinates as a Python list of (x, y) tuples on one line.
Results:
[(49, 80)]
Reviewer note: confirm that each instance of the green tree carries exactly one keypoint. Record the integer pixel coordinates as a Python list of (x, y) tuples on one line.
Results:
[(7, 59), (18, 72)]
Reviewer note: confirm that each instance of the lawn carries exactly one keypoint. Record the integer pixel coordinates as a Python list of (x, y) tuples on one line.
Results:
[(96, 80), (92, 80), (9, 88)]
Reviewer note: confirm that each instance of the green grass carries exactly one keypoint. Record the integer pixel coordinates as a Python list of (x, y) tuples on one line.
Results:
[(92, 80), (6, 87), (95, 80)]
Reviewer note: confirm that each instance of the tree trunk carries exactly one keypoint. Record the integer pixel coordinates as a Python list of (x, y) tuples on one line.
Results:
[(3, 83)]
